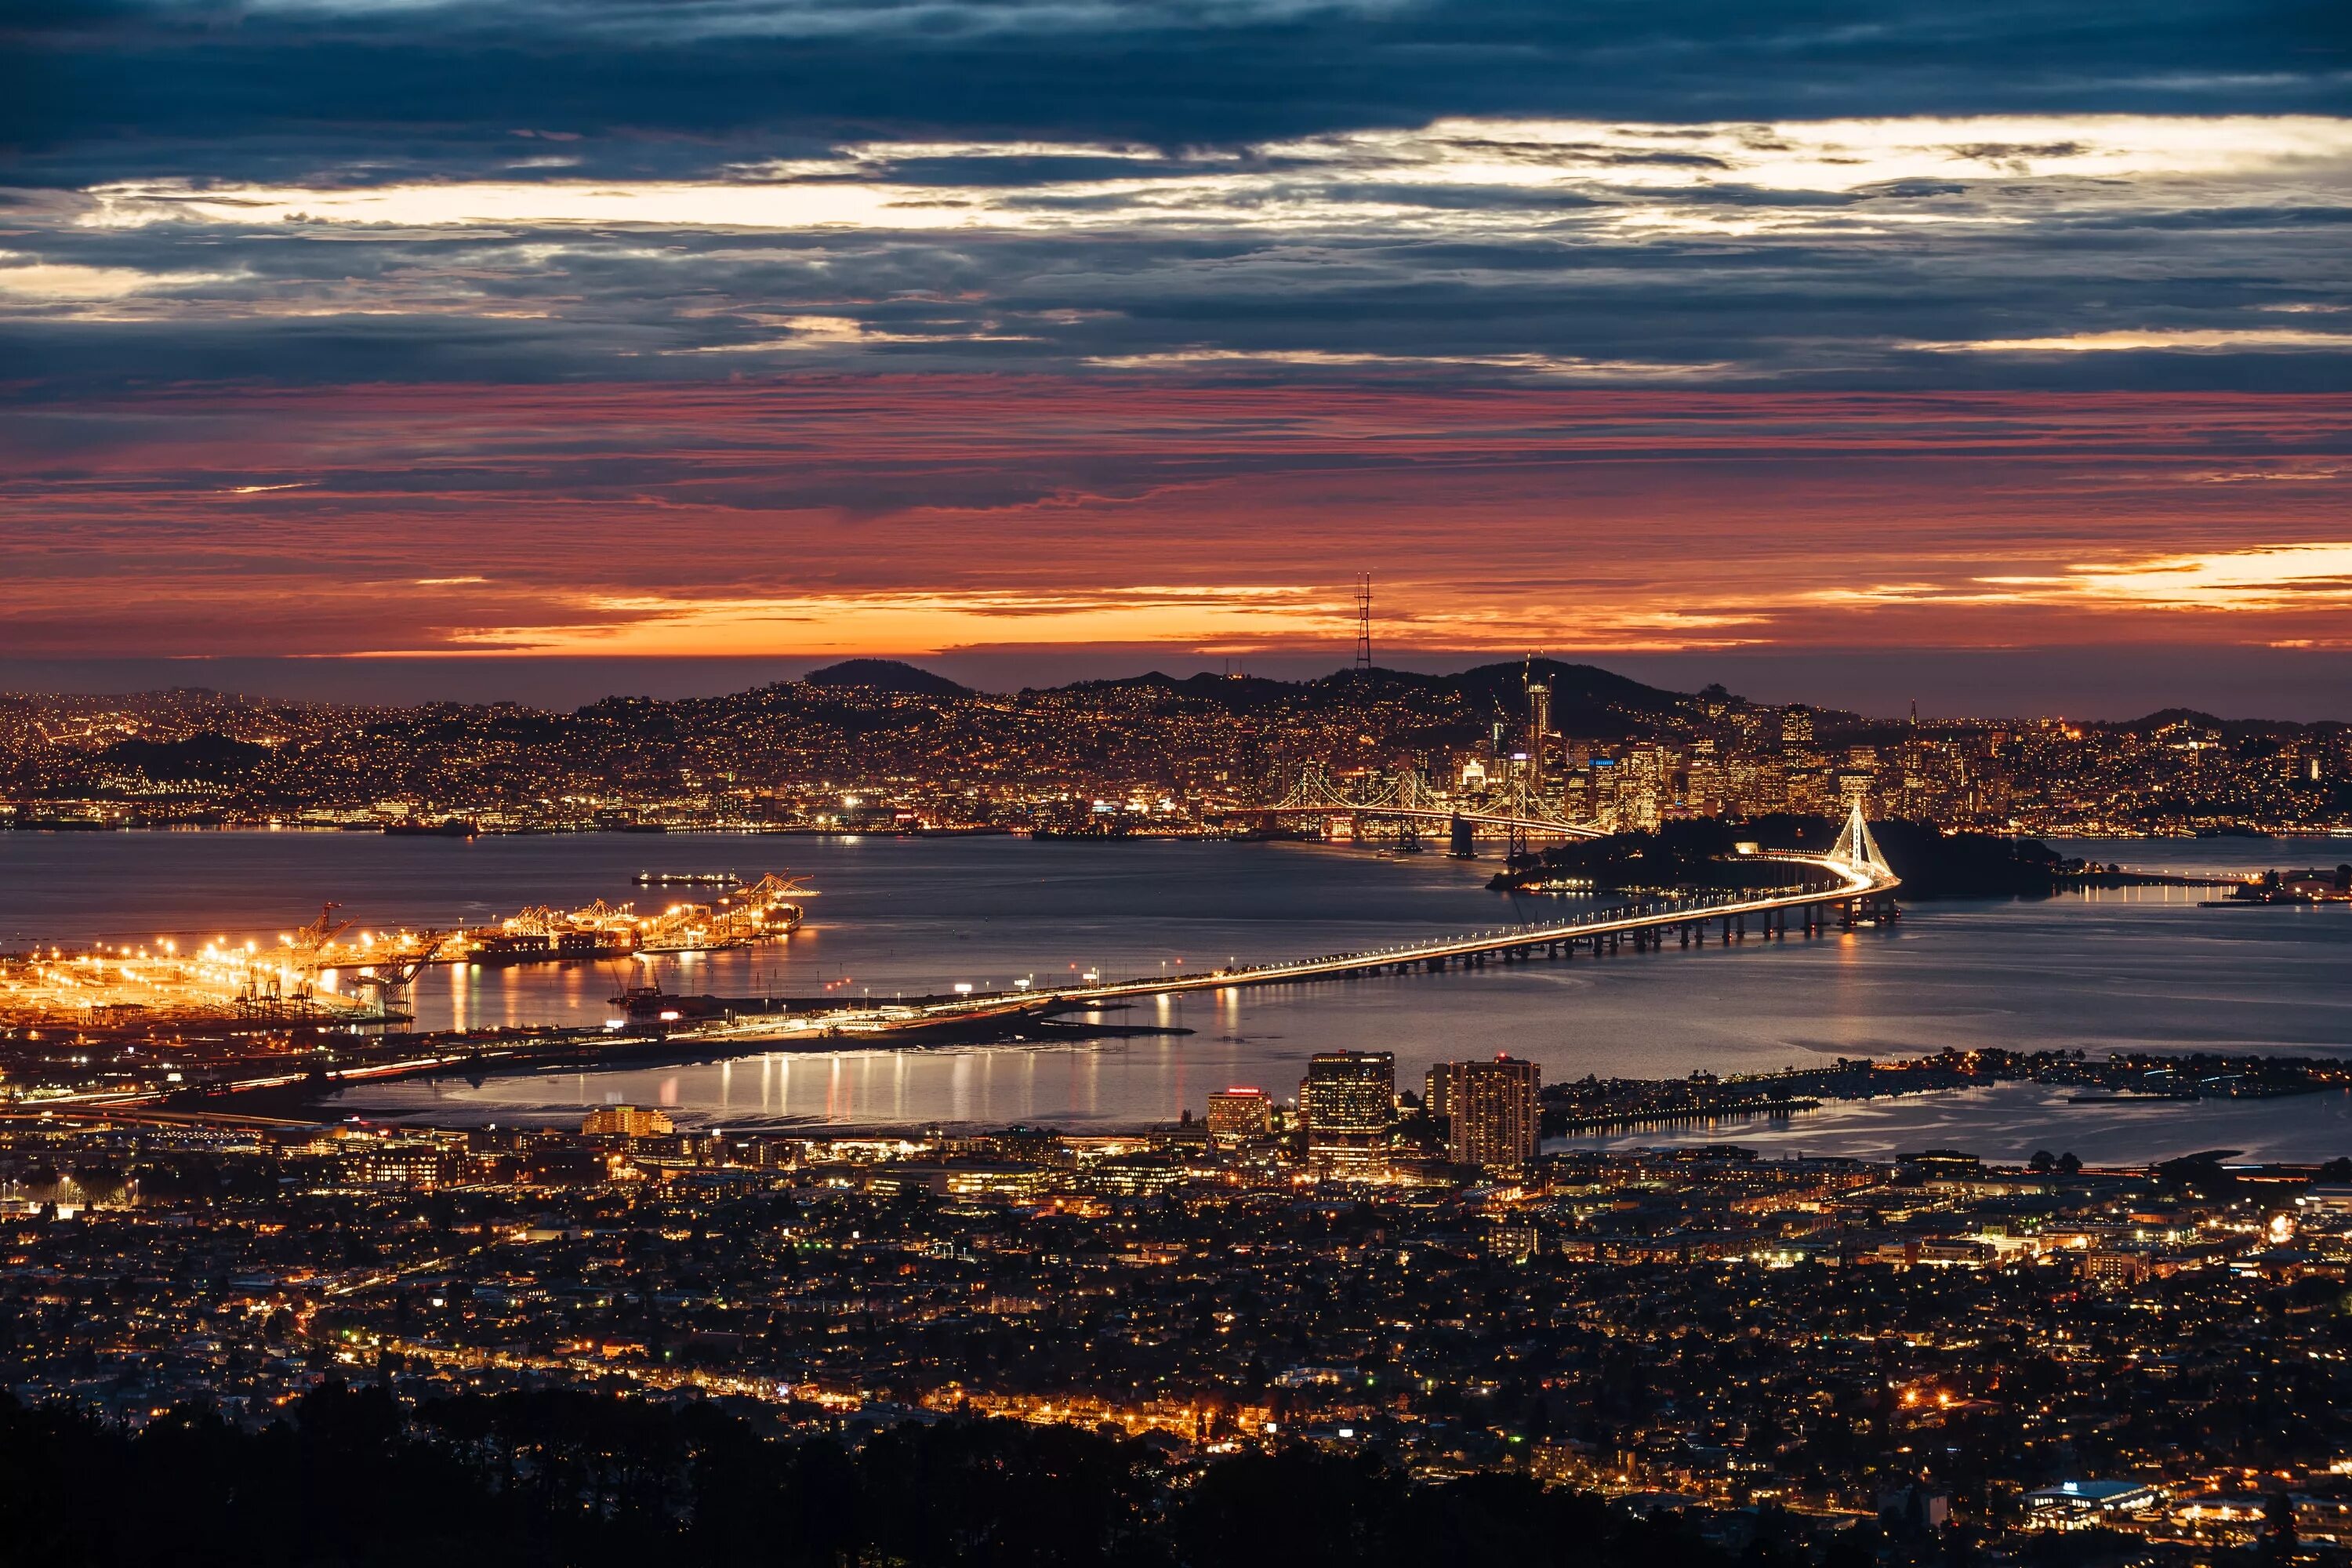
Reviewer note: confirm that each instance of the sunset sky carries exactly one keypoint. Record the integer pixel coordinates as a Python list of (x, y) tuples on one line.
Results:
[(1996, 354)]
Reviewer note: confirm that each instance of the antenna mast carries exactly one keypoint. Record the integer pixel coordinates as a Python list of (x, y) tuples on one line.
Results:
[(1364, 620)]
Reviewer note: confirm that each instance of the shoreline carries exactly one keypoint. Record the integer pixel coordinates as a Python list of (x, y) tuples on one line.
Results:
[(565, 1055), (2052, 1085)]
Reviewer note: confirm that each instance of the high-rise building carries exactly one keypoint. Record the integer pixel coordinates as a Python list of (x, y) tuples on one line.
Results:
[(1347, 1101), (627, 1121), (1238, 1115), (1797, 728), (1642, 786), (1538, 728), (1437, 1096), (1703, 774), (1493, 1113)]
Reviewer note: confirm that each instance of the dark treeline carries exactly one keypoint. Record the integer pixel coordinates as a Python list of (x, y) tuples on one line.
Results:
[(357, 1477)]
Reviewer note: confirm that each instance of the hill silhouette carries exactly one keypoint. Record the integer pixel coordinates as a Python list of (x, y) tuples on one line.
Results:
[(1585, 700), (886, 674)]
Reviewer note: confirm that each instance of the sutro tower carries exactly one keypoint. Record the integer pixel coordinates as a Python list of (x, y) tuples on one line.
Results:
[(1363, 620)]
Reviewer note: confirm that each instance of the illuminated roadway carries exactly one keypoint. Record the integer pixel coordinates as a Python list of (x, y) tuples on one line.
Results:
[(1532, 826), (1851, 878), (1851, 874), (1851, 883)]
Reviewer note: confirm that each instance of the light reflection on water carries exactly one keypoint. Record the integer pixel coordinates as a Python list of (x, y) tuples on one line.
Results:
[(2009, 1122), (2102, 971)]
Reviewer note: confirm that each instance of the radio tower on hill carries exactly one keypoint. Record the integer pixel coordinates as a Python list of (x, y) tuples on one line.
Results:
[(1364, 620)]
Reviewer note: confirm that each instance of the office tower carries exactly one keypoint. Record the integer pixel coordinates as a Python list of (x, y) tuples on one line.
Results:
[(1493, 1113), (1538, 728), (1238, 1115), (1347, 1101)]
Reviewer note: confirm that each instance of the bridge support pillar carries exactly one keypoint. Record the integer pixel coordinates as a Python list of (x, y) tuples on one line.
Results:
[(1460, 843)]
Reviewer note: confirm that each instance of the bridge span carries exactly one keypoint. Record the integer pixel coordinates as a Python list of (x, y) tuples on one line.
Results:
[(1849, 882), (1407, 797), (1508, 821), (1850, 895)]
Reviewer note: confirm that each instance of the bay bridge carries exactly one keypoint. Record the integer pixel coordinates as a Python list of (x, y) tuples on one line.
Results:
[(1845, 885), (1406, 799), (1849, 882)]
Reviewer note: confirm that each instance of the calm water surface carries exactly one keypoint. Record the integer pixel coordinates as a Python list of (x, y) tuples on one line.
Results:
[(2136, 968)]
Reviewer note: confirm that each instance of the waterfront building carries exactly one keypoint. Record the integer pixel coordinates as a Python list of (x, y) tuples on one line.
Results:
[(1493, 1115), (1347, 1102), (627, 1121), (1238, 1115)]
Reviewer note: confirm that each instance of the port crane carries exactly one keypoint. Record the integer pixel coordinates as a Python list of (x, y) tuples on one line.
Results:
[(311, 942), (391, 977)]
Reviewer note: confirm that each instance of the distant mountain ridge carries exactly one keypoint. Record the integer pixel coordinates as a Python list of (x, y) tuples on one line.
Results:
[(886, 674), (2234, 729), (1585, 698)]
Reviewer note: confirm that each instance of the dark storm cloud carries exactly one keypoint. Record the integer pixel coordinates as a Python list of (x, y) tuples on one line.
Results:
[(650, 90), (1212, 186), (1484, 282)]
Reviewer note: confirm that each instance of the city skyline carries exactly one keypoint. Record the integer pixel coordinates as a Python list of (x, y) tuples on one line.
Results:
[(1160, 783)]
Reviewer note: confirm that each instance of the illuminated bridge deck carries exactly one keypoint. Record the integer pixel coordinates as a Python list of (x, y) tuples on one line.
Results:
[(1840, 885)]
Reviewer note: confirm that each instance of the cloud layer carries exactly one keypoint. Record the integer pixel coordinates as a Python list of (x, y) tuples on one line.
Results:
[(771, 326), (825, 515)]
